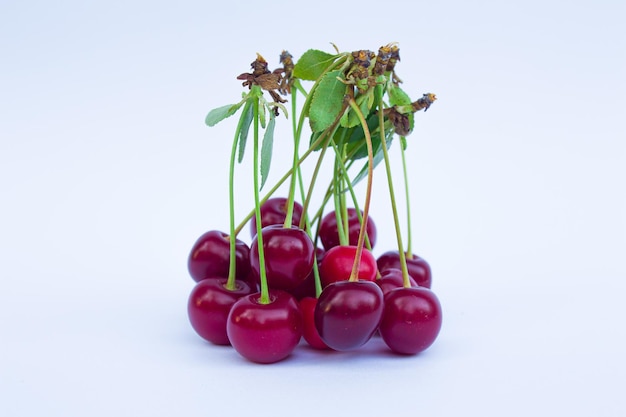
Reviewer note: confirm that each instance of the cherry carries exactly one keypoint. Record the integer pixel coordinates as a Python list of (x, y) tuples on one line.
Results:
[(289, 256), (411, 320), (265, 333), (338, 261), (274, 211), (392, 278), (310, 333), (418, 267), (210, 257), (209, 304), (348, 313), (330, 236)]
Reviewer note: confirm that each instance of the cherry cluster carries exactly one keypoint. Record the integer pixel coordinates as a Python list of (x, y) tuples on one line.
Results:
[(319, 282)]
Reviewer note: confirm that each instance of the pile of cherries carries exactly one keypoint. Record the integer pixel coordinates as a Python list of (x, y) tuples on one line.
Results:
[(344, 317), (307, 274)]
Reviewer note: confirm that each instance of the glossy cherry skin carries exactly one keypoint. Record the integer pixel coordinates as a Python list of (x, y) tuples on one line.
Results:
[(418, 268), (391, 279), (337, 265), (209, 304), (309, 331), (330, 236), (274, 211), (265, 333), (289, 256), (348, 313), (411, 320), (307, 288), (210, 257)]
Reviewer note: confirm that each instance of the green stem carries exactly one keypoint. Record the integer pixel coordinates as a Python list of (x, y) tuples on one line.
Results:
[(392, 197), (265, 298), (354, 275), (295, 163), (409, 249), (343, 238), (230, 283)]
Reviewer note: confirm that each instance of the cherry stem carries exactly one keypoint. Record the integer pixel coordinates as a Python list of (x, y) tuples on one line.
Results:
[(409, 250), (396, 222), (354, 275), (230, 283), (265, 298), (295, 165)]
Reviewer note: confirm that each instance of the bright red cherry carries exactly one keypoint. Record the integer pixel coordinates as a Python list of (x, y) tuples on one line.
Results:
[(265, 333), (210, 257), (338, 261), (418, 267), (411, 320), (208, 307), (310, 333), (274, 211), (289, 256), (348, 313), (330, 236)]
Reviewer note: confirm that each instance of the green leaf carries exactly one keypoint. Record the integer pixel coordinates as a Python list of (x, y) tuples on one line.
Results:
[(397, 96), (266, 149), (327, 101), (312, 64), (217, 115), (246, 121)]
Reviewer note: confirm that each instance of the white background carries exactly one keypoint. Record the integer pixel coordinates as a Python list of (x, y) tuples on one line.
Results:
[(108, 175)]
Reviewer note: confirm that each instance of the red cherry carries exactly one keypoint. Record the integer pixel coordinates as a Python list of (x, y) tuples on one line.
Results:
[(274, 211), (310, 333), (391, 279), (330, 236), (210, 257), (338, 261), (307, 288), (289, 256), (208, 307), (418, 267), (265, 333), (411, 320), (348, 313)]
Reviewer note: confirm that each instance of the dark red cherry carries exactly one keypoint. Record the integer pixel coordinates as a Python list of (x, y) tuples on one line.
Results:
[(338, 261), (418, 267), (289, 256), (348, 313), (330, 236), (274, 211), (392, 278), (309, 331), (208, 307), (210, 257), (265, 333), (411, 320)]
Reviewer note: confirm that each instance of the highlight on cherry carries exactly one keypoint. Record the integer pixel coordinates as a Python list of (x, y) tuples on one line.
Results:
[(311, 272)]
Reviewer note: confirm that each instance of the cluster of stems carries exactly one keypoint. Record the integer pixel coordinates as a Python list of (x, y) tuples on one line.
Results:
[(354, 108)]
